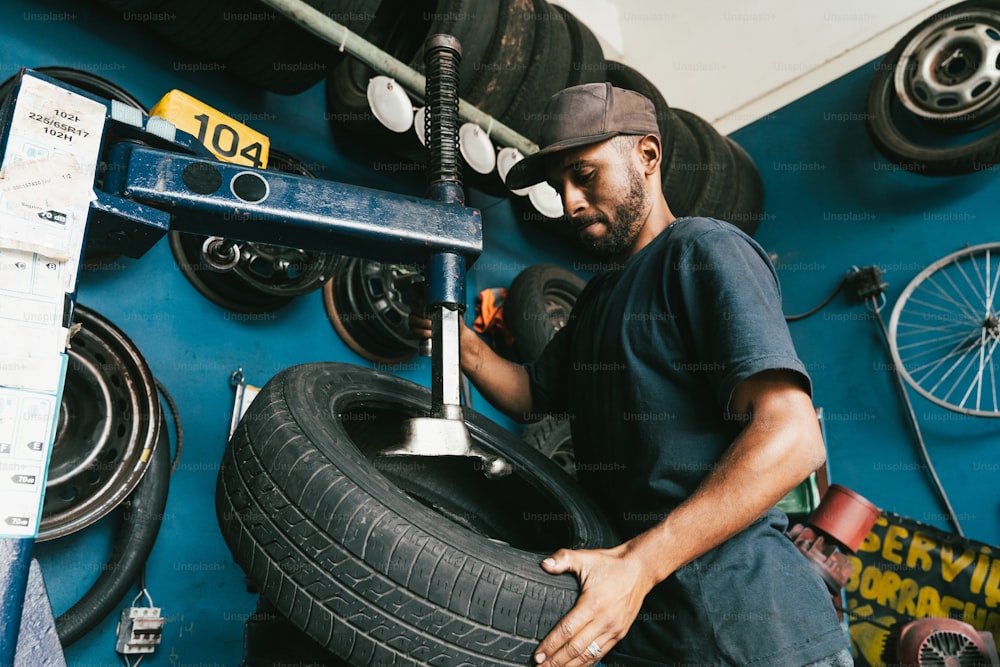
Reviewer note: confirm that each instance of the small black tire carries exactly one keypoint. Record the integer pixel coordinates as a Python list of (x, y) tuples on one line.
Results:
[(681, 182), (716, 164), (537, 305), (396, 561), (505, 62), (748, 209), (401, 32), (731, 188), (213, 31)]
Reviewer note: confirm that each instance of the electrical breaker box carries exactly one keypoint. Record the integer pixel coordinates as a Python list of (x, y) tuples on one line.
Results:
[(139, 630)]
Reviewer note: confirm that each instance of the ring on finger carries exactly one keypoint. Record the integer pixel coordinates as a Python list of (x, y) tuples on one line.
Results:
[(594, 650)]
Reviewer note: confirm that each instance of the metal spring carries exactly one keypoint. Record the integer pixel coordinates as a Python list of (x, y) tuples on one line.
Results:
[(442, 55)]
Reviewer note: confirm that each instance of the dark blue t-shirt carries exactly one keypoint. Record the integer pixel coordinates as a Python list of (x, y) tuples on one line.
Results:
[(646, 368)]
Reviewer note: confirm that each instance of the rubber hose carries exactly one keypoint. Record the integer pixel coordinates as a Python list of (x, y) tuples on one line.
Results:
[(140, 524)]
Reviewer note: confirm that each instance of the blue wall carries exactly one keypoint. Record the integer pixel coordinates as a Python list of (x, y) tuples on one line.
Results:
[(832, 203)]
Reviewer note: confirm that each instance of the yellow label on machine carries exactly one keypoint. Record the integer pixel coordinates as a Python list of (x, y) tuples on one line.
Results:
[(227, 138)]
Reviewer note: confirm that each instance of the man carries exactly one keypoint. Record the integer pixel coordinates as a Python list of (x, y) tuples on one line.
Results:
[(691, 415)]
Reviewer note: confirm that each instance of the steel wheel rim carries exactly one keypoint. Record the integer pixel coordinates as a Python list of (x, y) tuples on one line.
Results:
[(85, 420), (281, 271), (96, 482), (951, 69), (944, 332), (559, 302), (368, 312), (268, 276), (222, 289)]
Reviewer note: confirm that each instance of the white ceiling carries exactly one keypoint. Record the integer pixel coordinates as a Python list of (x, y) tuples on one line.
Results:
[(733, 62)]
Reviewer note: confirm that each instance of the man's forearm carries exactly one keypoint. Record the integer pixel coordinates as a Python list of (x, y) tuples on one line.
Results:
[(502, 382)]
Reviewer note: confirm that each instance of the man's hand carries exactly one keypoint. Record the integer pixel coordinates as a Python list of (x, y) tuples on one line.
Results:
[(503, 383), (420, 324), (613, 585)]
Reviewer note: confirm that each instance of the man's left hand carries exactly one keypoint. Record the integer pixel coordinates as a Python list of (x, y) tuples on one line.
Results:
[(613, 586)]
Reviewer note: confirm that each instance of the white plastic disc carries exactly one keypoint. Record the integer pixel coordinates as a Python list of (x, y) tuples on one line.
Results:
[(546, 200), (390, 103), (507, 157), (476, 148), (418, 124)]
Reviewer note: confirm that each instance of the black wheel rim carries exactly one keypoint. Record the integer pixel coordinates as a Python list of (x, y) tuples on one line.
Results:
[(367, 310), (108, 423), (267, 276)]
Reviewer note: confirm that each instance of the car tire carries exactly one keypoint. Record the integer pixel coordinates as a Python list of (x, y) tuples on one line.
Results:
[(730, 188), (396, 561), (548, 71), (537, 305), (922, 140)]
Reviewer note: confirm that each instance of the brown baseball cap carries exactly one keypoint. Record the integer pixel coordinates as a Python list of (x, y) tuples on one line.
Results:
[(582, 115)]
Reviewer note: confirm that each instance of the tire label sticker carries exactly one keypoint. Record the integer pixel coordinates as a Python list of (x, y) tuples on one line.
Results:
[(226, 138), (49, 165)]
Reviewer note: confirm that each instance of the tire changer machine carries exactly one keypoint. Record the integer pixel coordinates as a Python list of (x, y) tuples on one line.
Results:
[(57, 142)]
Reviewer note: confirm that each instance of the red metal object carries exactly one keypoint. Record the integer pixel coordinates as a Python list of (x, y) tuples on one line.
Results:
[(942, 641), (845, 517)]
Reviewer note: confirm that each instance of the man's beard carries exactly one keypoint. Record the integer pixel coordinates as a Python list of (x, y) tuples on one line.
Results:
[(627, 221)]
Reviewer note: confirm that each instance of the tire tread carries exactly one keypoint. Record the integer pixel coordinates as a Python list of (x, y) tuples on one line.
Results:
[(421, 599)]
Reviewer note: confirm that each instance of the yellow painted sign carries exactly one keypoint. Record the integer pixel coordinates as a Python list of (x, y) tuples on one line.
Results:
[(905, 570)]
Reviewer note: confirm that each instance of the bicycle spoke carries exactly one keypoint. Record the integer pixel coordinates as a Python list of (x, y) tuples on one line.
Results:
[(969, 365), (962, 336), (959, 350), (969, 316), (977, 383), (972, 310)]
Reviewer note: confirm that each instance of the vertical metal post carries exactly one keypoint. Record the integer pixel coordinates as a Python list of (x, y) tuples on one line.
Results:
[(445, 271), (444, 433)]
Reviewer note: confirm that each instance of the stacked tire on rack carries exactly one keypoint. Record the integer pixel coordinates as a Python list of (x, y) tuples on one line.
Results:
[(534, 49), (933, 104), (251, 40), (515, 54)]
